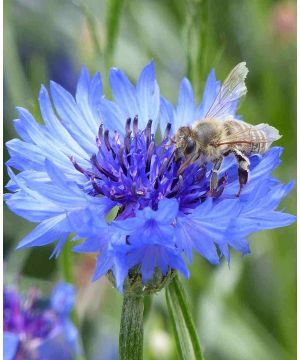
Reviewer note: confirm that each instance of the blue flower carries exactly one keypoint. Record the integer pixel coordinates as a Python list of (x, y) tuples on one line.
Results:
[(95, 155), (39, 326)]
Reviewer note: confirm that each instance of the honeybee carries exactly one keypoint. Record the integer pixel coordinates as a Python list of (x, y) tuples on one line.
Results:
[(218, 134)]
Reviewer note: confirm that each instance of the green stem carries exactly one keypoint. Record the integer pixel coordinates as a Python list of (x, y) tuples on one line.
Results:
[(131, 328), (186, 337), (202, 43), (189, 35), (67, 271), (66, 265), (196, 42), (14, 76), (66, 262)]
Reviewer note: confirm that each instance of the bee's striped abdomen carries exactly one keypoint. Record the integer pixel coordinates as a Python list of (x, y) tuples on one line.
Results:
[(246, 137), (259, 141)]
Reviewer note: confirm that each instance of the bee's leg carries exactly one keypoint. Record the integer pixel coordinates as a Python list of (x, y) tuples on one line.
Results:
[(243, 169), (214, 176), (189, 160)]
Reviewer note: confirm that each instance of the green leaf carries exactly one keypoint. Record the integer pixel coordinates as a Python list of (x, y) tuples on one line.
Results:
[(188, 345)]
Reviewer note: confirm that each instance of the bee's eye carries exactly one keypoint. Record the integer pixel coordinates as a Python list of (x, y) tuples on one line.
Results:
[(190, 146)]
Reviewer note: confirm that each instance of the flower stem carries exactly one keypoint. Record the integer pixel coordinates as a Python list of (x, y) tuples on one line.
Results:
[(66, 268), (14, 78), (131, 328), (186, 337), (67, 271), (197, 36), (66, 262)]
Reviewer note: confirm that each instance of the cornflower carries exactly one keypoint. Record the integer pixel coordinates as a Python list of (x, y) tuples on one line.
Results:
[(95, 158), (39, 328)]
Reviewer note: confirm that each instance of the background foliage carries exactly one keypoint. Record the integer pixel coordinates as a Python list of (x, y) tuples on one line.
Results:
[(247, 311)]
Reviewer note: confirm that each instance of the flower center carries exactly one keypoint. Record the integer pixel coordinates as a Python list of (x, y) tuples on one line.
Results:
[(137, 172)]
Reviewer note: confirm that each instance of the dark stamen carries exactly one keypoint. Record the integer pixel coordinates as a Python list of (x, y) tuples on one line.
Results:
[(76, 165), (167, 131), (106, 139), (135, 125), (180, 183), (102, 170), (80, 168), (127, 126), (127, 143), (100, 132), (96, 187), (121, 160), (170, 160), (174, 182), (163, 167), (107, 143), (149, 157), (147, 133), (133, 188)]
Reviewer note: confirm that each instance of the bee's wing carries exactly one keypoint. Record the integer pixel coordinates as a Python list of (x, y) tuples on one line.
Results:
[(231, 90), (271, 133), (249, 135)]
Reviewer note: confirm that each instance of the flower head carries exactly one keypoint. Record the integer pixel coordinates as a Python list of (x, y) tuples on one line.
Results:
[(37, 327), (99, 157)]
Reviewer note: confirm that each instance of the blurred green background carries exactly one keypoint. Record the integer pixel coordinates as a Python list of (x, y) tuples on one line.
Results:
[(247, 311)]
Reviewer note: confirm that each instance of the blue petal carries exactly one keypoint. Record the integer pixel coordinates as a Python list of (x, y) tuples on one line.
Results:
[(71, 336), (46, 232), (112, 116), (185, 111), (63, 298), (124, 93), (211, 89), (225, 252), (120, 270), (147, 92), (55, 348), (62, 239), (56, 128), (95, 93), (166, 115), (206, 224), (129, 225), (29, 204), (72, 119), (91, 245), (103, 264), (165, 215), (24, 155), (83, 84), (10, 345), (83, 101)]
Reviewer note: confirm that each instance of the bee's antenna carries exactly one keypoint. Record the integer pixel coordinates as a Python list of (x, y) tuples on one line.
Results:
[(172, 142), (169, 144)]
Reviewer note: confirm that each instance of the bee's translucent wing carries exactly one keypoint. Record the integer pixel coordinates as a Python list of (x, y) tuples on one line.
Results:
[(249, 135), (271, 133), (231, 90)]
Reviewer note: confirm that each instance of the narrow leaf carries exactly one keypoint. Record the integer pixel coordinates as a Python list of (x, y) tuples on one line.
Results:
[(114, 10), (187, 342)]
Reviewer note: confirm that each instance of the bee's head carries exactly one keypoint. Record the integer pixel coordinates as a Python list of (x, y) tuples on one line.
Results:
[(185, 143)]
